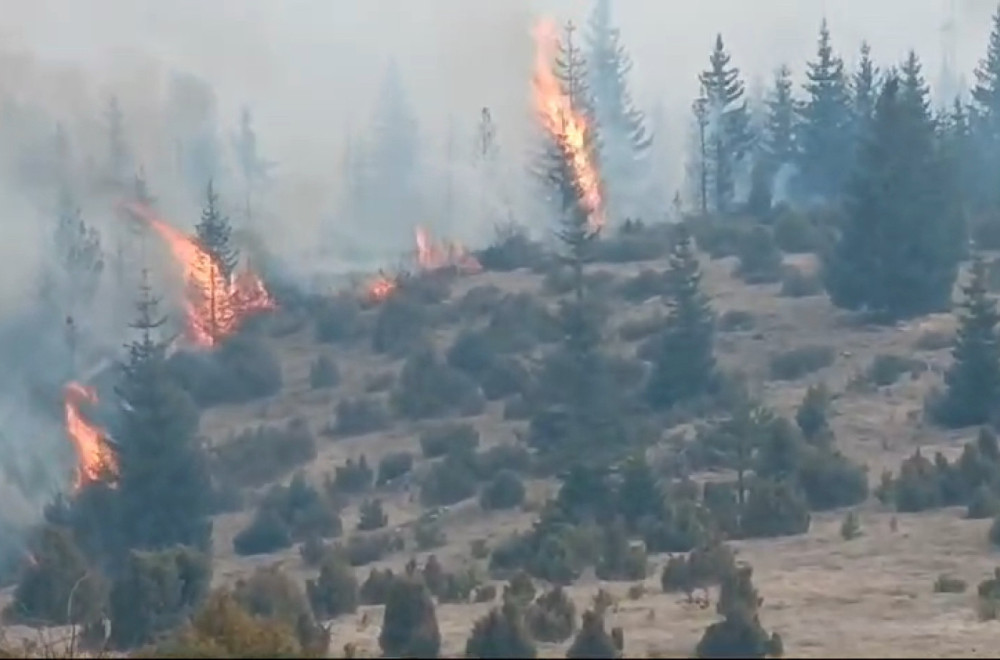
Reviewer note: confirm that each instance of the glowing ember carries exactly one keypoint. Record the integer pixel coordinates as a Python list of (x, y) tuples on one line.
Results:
[(435, 257), (95, 460), (565, 124), (215, 308), (380, 288)]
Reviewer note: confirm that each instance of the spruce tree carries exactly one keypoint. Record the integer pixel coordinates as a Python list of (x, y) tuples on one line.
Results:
[(826, 123), (899, 246), (729, 137), (739, 634), (973, 380), (685, 363), (986, 103), (780, 146), (80, 256), (625, 142), (864, 84), (164, 494), (215, 236)]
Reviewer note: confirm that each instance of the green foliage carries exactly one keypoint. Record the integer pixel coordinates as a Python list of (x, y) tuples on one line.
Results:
[(796, 233), (973, 380), (439, 440), (989, 596), (797, 283), (243, 368), (592, 640), (429, 535), (685, 362), (58, 586), (760, 260), (774, 509), (428, 388), (620, 560), (850, 528), (357, 416), (338, 319), (371, 516), (504, 491), (335, 590), (362, 549), (552, 617), (409, 627), (511, 249), (813, 413), (795, 363), (155, 592), (947, 584), (705, 565), (448, 482), (375, 589), (500, 634), (886, 368), (270, 594), (401, 326), (288, 513), (352, 477), (393, 466), (323, 372), (258, 456), (740, 633), (984, 504), (736, 320)]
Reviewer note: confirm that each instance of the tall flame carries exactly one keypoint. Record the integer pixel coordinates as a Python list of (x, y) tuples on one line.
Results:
[(565, 124), (95, 459), (215, 307), (431, 256)]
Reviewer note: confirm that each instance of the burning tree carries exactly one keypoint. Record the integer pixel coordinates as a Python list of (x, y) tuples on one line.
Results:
[(95, 457), (218, 260)]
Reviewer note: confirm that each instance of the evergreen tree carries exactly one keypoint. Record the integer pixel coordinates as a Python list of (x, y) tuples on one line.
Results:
[(729, 137), (119, 158), (625, 142), (256, 171), (685, 364), (501, 634), (986, 103), (865, 91), (592, 640), (780, 144), (899, 246), (164, 494), (214, 234), (700, 162), (825, 131), (80, 256), (973, 380), (739, 634), (409, 626)]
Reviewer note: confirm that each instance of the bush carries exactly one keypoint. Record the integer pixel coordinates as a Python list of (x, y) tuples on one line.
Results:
[(759, 259), (774, 509), (437, 441), (486, 593), (352, 477), (335, 591), (504, 377), (480, 300), (393, 466), (265, 534), (796, 283), (270, 594), (620, 560), (500, 634), (934, 340), (242, 369), (946, 584), (551, 618), (504, 491), (642, 328), (261, 455), (642, 245), (357, 416), (471, 352), (886, 368), (520, 322), (429, 535), (337, 319), (375, 589), (286, 514), (994, 533), (380, 382), (42, 595), (812, 415), (511, 249), (850, 528), (507, 456), (801, 361), (448, 482), (323, 373), (429, 388), (155, 592), (372, 516), (795, 233), (648, 283), (830, 481), (409, 627), (989, 597), (706, 565), (593, 641), (736, 320), (364, 549), (400, 327), (984, 504)]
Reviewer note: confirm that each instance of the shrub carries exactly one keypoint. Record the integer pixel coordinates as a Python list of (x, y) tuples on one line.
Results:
[(42, 595), (500, 634), (437, 441), (801, 361), (706, 565), (592, 641), (641, 328), (934, 340), (620, 560), (796, 283), (886, 368), (736, 320), (367, 548), (511, 249), (646, 284), (519, 589), (994, 533), (242, 369), (313, 550), (352, 477), (520, 322), (506, 456), (947, 584), (261, 455), (739, 634), (850, 528), (480, 300), (429, 388), (337, 319), (486, 593), (504, 377), (400, 327), (380, 382), (323, 373), (830, 481), (265, 534), (642, 245), (774, 509), (155, 592), (551, 618), (372, 516), (471, 352), (812, 414), (375, 588), (429, 535), (409, 626), (504, 491), (356, 416), (794, 233), (984, 504), (335, 589), (448, 482), (989, 597), (393, 466), (759, 259), (286, 514), (270, 594)]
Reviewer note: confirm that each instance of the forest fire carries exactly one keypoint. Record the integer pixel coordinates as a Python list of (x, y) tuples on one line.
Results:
[(431, 256), (380, 288), (215, 307), (565, 124), (94, 457)]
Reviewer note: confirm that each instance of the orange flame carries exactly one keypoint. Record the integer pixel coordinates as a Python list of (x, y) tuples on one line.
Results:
[(215, 308), (567, 126), (380, 288), (449, 254), (94, 457)]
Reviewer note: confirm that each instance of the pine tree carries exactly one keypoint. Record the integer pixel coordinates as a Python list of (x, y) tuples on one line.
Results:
[(592, 640), (214, 235), (700, 161), (780, 145), (118, 154), (164, 494), (729, 138), (81, 258), (501, 634), (865, 91), (685, 364), (625, 142), (973, 380), (825, 131), (739, 634), (986, 103), (898, 250), (255, 170)]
